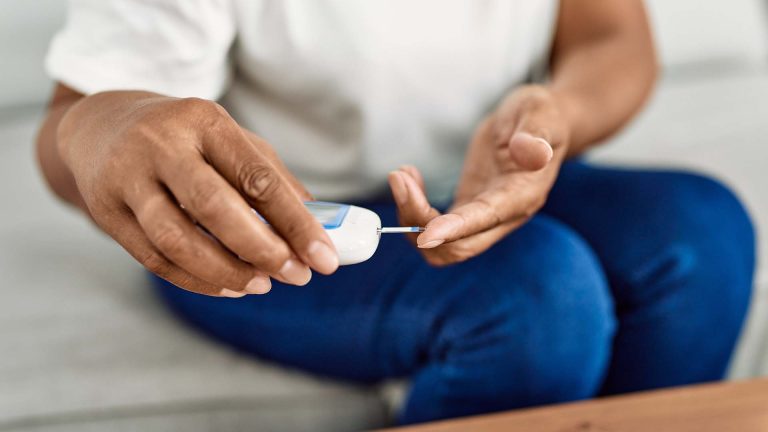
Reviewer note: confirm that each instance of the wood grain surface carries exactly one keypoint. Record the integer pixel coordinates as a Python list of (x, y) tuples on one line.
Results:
[(733, 406)]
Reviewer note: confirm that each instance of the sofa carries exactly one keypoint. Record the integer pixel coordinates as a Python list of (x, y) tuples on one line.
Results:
[(86, 346)]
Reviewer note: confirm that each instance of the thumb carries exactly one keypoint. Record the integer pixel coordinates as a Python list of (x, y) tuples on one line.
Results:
[(529, 152), (527, 142)]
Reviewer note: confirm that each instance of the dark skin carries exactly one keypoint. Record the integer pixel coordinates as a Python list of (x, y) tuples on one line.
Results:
[(150, 170)]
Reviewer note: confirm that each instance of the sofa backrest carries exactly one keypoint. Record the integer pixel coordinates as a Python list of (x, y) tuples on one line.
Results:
[(696, 32), (26, 27)]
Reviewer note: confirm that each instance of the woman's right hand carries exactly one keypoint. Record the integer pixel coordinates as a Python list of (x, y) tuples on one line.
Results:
[(152, 170)]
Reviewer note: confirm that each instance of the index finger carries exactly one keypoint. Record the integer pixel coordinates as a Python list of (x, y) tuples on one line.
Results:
[(486, 211), (236, 158), (218, 207)]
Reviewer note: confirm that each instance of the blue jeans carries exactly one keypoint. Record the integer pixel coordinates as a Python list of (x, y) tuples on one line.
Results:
[(626, 280)]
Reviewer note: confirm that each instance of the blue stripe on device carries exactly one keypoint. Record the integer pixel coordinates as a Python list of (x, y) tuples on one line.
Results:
[(330, 215)]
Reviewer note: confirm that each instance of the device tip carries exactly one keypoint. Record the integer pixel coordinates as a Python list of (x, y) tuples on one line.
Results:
[(395, 230)]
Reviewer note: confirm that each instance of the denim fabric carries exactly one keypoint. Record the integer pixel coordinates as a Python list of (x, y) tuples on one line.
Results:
[(626, 280)]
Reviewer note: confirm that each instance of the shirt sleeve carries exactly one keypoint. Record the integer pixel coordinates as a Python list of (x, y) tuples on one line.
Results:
[(173, 47)]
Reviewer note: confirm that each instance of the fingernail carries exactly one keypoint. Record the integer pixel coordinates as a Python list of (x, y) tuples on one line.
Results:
[(543, 141), (550, 151), (430, 244), (259, 285), (324, 258), (294, 272), (547, 146), (231, 294)]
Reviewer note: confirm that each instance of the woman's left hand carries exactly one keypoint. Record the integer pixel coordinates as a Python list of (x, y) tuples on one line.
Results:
[(510, 167)]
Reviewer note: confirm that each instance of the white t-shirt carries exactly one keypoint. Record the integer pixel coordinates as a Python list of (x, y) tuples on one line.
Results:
[(345, 90)]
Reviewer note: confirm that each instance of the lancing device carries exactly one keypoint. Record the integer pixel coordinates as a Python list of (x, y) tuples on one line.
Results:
[(355, 231)]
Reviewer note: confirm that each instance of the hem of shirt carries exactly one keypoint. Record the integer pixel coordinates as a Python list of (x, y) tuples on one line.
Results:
[(88, 77)]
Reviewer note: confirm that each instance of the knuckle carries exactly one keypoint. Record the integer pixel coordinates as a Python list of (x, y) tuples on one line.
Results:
[(269, 259), (197, 105), (205, 114), (155, 263), (170, 239), (490, 209), (459, 254), (186, 282), (258, 181), (103, 205), (205, 201)]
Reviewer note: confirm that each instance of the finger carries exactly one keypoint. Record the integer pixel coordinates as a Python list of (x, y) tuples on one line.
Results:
[(412, 204), (399, 192), (272, 196), (264, 148), (463, 249), (414, 172), (181, 242), (128, 233), (413, 207), (527, 142), (476, 216), (218, 207), (529, 152)]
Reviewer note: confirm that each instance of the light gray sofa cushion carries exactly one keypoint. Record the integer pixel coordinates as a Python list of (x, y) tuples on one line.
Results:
[(85, 344)]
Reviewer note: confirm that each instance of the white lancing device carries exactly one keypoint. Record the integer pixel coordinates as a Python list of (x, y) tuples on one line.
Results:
[(355, 231)]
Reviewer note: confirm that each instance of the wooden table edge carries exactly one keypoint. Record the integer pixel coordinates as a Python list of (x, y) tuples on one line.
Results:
[(726, 406)]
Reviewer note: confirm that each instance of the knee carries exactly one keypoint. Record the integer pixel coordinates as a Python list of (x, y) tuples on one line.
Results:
[(540, 316), (709, 211), (712, 231), (703, 252)]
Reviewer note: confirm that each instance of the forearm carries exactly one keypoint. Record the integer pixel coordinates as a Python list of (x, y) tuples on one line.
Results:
[(603, 68)]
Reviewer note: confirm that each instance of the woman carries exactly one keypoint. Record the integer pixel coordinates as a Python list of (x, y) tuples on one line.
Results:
[(544, 279)]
